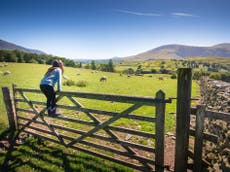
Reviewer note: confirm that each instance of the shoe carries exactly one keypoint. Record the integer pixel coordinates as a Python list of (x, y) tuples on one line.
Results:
[(53, 112)]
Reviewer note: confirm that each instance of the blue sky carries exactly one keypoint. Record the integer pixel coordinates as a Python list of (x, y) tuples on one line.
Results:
[(108, 28)]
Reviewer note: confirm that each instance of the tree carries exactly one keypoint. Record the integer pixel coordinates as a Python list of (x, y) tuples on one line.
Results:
[(93, 65), (87, 66), (139, 70), (128, 71), (110, 66)]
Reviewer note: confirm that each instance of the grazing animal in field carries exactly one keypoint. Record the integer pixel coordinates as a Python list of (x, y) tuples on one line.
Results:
[(6, 73), (65, 77), (161, 78), (103, 78)]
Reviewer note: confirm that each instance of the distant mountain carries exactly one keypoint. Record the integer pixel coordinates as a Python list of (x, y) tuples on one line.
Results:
[(175, 51), (10, 46), (105, 60)]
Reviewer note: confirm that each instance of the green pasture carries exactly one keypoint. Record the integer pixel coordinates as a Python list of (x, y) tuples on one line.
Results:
[(49, 156), (29, 75)]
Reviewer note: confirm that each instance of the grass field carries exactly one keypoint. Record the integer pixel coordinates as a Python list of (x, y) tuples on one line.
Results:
[(29, 75)]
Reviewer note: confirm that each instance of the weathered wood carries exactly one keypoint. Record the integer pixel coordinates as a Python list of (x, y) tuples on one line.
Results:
[(193, 111), (61, 118), (183, 118), (10, 108), (131, 165), (160, 121), (218, 115), (41, 117), (108, 113), (96, 136), (132, 131), (98, 125), (106, 123), (213, 114), (199, 138), (130, 116), (32, 101), (120, 129), (14, 87), (204, 163), (105, 148), (101, 96), (94, 145), (97, 121), (206, 136), (79, 105), (36, 129)]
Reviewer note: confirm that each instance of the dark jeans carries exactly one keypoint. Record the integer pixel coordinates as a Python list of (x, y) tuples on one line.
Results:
[(50, 95)]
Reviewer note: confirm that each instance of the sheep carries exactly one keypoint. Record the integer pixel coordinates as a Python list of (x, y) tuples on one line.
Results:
[(65, 77), (161, 78), (6, 73), (103, 78), (78, 73)]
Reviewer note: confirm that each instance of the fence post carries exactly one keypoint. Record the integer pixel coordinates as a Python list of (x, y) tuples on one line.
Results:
[(10, 108), (160, 122), (199, 138), (184, 83)]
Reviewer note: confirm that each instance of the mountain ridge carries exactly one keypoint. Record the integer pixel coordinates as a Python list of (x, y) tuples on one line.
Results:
[(177, 51), (4, 45)]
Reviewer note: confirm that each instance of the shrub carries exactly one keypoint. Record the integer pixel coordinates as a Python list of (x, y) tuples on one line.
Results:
[(164, 71), (215, 76), (82, 83), (129, 71), (197, 74), (69, 82), (173, 76)]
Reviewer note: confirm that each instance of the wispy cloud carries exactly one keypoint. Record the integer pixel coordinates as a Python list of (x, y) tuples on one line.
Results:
[(139, 13), (179, 14)]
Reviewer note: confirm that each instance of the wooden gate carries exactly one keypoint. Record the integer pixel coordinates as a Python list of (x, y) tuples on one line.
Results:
[(109, 126)]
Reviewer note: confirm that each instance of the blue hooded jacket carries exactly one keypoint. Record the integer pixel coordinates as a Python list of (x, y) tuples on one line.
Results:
[(52, 78)]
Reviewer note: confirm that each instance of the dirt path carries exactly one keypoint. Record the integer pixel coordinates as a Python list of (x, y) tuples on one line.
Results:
[(170, 151)]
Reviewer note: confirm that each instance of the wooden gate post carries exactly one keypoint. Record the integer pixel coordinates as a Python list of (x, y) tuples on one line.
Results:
[(184, 84), (10, 108), (199, 138), (160, 123)]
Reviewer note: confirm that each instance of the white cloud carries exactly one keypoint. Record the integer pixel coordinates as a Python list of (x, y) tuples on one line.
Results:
[(179, 14), (139, 13)]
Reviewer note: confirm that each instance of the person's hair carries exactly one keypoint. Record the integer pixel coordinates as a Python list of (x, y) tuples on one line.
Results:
[(56, 64)]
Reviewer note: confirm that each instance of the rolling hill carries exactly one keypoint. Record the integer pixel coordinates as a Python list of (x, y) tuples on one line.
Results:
[(4, 45), (175, 51)]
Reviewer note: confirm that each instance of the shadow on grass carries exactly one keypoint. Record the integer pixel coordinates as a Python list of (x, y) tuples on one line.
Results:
[(36, 155)]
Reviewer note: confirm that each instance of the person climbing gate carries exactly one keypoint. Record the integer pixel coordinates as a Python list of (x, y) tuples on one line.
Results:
[(48, 82)]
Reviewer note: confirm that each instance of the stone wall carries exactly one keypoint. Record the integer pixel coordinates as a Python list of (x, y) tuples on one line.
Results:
[(216, 96)]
